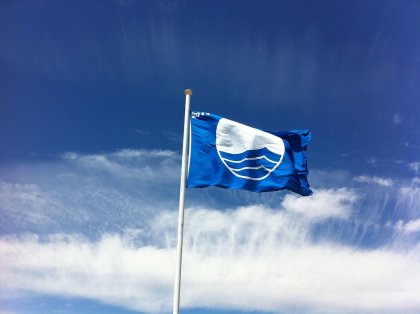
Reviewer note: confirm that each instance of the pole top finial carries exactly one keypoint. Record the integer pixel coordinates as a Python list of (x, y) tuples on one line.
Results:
[(188, 92)]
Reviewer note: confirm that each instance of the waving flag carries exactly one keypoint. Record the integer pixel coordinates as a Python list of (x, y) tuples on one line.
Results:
[(231, 155)]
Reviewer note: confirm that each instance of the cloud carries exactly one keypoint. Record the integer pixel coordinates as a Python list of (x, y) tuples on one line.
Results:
[(147, 165), (410, 226), (415, 181), (14, 197), (372, 161), (142, 132), (396, 119), (250, 258), (103, 227), (111, 270), (330, 203), (408, 199), (172, 136), (90, 192), (375, 180), (408, 144), (415, 167)]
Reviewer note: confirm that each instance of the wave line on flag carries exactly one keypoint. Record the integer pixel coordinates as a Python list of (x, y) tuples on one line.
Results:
[(252, 168), (251, 158)]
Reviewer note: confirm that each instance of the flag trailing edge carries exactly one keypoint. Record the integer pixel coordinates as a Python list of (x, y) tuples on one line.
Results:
[(231, 155)]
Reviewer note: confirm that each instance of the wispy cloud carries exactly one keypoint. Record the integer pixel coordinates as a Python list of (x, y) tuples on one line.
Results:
[(172, 136), (372, 161), (90, 192), (396, 119), (335, 203), (408, 199), (249, 258), (415, 167), (125, 153), (410, 226), (142, 132), (375, 180), (129, 163)]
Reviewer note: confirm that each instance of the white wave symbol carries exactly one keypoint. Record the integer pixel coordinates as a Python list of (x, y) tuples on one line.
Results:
[(253, 164), (247, 152)]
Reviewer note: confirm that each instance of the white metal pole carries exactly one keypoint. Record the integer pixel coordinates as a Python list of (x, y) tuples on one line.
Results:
[(177, 289)]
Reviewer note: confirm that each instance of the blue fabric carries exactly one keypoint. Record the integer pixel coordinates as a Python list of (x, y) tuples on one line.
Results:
[(207, 169)]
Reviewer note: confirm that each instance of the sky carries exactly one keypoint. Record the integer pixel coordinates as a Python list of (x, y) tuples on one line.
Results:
[(91, 120)]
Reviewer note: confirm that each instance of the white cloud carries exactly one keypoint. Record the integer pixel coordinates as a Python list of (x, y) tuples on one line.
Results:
[(151, 165), (408, 199), (410, 226), (29, 194), (249, 258), (93, 192), (152, 153), (374, 179), (14, 197), (330, 203), (111, 270)]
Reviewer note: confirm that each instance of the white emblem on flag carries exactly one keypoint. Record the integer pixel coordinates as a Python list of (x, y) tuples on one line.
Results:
[(247, 152)]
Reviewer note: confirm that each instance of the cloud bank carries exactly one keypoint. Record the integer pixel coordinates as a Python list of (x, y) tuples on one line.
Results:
[(103, 227), (250, 258)]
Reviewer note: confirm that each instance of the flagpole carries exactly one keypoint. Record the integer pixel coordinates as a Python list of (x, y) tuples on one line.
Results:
[(177, 289)]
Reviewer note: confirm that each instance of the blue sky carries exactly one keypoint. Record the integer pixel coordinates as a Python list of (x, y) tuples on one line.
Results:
[(91, 119)]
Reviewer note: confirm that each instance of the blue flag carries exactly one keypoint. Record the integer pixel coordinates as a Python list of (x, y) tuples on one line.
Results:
[(231, 155)]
